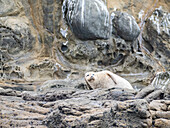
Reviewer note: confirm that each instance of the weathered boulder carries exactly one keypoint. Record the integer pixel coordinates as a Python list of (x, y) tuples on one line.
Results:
[(87, 19), (157, 36), (124, 25), (36, 45)]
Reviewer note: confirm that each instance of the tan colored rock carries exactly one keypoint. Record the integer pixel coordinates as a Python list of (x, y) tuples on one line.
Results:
[(15, 112), (157, 105), (161, 114), (162, 123), (153, 113)]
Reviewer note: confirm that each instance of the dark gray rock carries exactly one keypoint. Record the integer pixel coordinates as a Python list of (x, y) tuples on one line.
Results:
[(49, 96), (87, 19), (125, 26), (157, 36)]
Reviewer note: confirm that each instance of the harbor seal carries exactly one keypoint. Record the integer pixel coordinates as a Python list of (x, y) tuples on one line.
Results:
[(105, 79)]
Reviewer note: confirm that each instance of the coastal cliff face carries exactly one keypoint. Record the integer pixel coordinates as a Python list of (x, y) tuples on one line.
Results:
[(47, 44), (43, 40)]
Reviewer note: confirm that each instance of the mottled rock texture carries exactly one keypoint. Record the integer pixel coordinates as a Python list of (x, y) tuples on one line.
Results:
[(71, 107), (156, 34), (36, 36), (42, 50)]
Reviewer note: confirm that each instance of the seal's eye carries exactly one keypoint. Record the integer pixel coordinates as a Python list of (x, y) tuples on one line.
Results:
[(87, 75), (92, 74)]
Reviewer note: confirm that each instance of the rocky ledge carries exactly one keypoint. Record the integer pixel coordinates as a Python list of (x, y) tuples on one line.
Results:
[(80, 108)]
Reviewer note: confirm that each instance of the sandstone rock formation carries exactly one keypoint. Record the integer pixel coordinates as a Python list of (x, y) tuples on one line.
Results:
[(46, 46)]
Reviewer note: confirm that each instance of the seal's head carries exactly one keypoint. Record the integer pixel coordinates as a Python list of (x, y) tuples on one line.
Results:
[(90, 78)]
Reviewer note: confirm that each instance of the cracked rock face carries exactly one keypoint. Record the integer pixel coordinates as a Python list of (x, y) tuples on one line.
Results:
[(100, 114), (67, 107), (88, 20)]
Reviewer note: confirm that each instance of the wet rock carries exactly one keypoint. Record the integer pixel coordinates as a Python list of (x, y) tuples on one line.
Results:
[(88, 20), (125, 26)]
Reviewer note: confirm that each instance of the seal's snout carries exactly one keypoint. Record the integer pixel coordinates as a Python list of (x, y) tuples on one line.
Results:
[(91, 78)]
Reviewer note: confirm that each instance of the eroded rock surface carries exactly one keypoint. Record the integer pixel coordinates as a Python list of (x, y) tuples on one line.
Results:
[(47, 55), (157, 35), (71, 107)]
